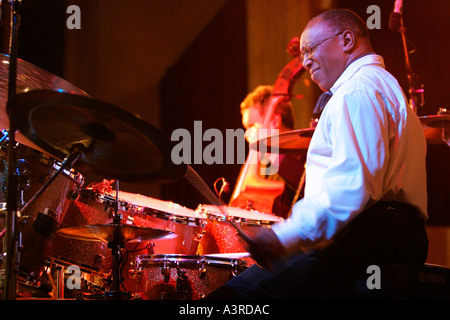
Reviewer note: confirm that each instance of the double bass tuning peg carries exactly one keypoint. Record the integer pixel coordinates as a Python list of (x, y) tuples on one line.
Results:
[(293, 47)]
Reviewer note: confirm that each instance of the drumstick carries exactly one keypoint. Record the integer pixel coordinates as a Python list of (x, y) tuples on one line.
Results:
[(201, 186)]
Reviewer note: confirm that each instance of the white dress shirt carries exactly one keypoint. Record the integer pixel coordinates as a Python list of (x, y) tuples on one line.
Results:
[(368, 146)]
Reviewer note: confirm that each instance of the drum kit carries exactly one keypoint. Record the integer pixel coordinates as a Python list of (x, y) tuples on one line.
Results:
[(64, 134)]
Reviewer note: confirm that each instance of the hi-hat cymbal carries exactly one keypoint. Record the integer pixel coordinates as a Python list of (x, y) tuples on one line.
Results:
[(119, 232), (287, 142), (29, 77), (120, 145)]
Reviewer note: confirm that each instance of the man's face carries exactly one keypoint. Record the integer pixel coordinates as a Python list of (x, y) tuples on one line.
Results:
[(326, 61), (251, 117)]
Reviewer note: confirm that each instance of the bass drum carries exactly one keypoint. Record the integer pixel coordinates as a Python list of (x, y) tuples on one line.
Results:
[(40, 220), (181, 277)]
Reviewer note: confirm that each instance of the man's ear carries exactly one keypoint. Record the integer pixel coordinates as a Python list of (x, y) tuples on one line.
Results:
[(348, 41)]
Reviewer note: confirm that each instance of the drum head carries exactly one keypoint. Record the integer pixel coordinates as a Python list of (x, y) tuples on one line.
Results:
[(137, 201), (238, 213)]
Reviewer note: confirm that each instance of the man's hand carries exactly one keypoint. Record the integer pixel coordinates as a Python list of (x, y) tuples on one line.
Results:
[(266, 248)]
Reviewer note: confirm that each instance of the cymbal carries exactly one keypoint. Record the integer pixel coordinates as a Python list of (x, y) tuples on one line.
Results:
[(286, 142), (436, 128), (29, 77), (119, 144), (106, 233), (435, 121)]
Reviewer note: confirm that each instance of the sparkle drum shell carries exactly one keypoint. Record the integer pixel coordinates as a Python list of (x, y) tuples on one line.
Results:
[(182, 277), (221, 237)]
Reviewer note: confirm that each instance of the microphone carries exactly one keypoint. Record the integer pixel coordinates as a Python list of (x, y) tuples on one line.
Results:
[(395, 19)]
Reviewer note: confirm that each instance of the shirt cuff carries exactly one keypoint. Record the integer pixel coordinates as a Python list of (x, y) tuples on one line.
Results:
[(288, 234)]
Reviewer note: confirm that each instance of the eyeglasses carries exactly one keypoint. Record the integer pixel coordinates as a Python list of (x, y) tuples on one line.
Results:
[(309, 49)]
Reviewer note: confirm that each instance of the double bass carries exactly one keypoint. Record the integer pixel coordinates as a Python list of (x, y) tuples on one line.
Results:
[(252, 198)]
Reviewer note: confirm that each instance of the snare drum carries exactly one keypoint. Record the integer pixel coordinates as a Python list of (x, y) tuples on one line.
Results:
[(221, 237), (182, 277), (43, 216)]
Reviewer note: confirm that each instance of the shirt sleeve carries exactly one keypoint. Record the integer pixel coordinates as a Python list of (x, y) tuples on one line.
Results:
[(345, 168)]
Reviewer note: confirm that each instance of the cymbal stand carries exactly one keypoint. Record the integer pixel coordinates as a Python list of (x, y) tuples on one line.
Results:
[(417, 94), (116, 245), (11, 240)]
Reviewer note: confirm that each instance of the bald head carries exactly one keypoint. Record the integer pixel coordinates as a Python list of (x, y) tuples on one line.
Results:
[(344, 19)]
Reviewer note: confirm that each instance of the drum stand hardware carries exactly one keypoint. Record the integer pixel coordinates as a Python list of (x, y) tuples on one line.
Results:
[(10, 244)]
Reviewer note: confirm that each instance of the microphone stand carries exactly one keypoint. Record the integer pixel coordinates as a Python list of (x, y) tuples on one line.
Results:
[(417, 94), (11, 241)]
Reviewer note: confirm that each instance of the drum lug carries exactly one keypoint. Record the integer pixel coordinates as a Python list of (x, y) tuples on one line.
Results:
[(165, 271), (202, 269), (199, 236), (202, 272), (135, 271), (182, 281), (235, 270)]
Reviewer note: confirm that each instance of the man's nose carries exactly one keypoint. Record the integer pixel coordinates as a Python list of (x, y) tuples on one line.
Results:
[(307, 63)]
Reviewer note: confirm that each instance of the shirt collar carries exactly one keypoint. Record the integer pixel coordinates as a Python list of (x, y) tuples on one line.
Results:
[(366, 59)]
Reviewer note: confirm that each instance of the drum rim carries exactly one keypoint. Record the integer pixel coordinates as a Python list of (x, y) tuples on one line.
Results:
[(143, 211), (214, 216), (197, 260)]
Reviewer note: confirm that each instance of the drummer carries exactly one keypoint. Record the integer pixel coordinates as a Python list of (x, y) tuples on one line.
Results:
[(253, 110), (365, 201)]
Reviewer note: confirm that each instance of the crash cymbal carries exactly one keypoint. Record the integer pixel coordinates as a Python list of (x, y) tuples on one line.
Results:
[(29, 77), (107, 232), (287, 142), (118, 144)]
